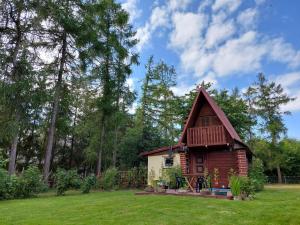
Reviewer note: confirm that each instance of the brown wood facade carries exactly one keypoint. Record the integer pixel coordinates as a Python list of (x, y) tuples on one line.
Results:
[(209, 142)]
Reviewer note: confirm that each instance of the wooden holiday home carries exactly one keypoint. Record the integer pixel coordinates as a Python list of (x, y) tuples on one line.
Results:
[(208, 143)]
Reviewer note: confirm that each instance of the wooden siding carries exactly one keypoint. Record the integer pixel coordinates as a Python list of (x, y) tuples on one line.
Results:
[(202, 136), (224, 161)]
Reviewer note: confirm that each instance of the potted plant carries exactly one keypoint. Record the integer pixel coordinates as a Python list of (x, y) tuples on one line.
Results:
[(235, 186), (207, 183), (160, 186), (216, 176), (183, 189)]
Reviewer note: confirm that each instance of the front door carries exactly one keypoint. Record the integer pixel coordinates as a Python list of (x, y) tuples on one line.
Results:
[(198, 163)]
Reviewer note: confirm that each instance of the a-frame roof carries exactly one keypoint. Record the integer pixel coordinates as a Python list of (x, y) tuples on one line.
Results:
[(218, 111)]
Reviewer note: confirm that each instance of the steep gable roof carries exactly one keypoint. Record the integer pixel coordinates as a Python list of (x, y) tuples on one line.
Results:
[(218, 111)]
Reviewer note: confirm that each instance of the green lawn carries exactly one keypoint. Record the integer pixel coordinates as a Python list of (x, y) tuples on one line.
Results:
[(275, 205)]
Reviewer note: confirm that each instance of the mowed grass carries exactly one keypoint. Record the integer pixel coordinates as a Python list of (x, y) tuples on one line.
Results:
[(275, 205)]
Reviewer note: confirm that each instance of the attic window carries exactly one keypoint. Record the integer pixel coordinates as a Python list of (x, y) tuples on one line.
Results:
[(169, 161)]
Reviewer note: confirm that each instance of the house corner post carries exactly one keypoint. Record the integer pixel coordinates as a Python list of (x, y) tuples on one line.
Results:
[(183, 162), (242, 162)]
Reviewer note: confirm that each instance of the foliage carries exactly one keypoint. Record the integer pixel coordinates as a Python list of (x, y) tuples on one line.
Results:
[(88, 183), (170, 175), (235, 185), (241, 186), (256, 174), (269, 98), (30, 182), (151, 176), (65, 180), (109, 179), (136, 177), (246, 187), (25, 185), (236, 109)]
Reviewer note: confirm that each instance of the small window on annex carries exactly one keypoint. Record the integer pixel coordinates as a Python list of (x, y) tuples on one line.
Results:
[(169, 161)]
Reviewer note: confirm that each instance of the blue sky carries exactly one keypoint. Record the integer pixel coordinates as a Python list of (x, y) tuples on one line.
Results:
[(227, 42)]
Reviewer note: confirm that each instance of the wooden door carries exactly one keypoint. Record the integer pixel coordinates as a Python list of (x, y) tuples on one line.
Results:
[(198, 163)]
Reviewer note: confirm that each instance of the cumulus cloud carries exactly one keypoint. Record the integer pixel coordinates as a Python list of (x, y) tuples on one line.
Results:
[(228, 5), (290, 82), (131, 7), (247, 18), (220, 39), (159, 19), (226, 42)]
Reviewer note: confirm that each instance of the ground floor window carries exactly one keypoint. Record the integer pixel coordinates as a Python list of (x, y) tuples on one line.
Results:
[(169, 161)]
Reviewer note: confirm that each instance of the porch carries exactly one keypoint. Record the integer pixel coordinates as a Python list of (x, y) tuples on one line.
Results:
[(191, 194), (215, 162)]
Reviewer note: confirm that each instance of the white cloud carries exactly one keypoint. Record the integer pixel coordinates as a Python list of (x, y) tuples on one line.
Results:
[(289, 79), (187, 29), (131, 7), (294, 105), (218, 33), (143, 34), (247, 18), (130, 83), (159, 19), (260, 2), (229, 5), (242, 54), (224, 43), (178, 4), (282, 51), (217, 40), (290, 82)]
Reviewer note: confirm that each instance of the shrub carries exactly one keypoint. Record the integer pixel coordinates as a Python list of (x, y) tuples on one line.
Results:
[(170, 175), (29, 183), (109, 179), (65, 180), (246, 187), (235, 185), (256, 174), (136, 178), (8, 185), (88, 183)]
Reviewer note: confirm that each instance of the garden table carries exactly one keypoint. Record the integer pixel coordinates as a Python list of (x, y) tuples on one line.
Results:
[(190, 179)]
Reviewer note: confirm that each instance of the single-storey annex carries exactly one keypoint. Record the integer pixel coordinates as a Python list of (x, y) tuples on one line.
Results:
[(208, 143)]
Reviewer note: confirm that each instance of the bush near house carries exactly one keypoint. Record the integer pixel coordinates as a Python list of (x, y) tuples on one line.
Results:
[(169, 175), (256, 174)]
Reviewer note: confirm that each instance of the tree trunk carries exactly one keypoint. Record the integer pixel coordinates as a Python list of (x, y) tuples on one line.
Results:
[(14, 144), (99, 155), (73, 139), (50, 139), (114, 157), (279, 175), (13, 154)]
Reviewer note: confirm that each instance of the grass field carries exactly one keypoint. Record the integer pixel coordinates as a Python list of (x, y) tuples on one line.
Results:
[(275, 205)]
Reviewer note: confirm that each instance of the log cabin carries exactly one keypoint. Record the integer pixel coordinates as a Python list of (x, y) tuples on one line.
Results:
[(208, 144)]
